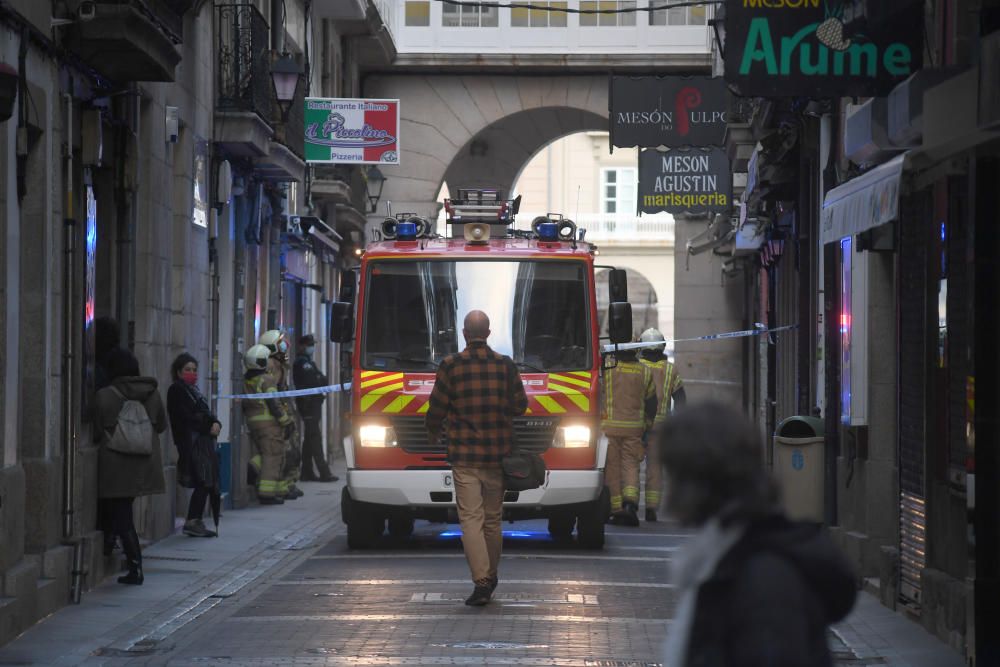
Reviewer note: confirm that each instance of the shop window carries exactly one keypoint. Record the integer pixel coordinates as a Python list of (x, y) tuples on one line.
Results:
[(418, 13), (610, 18), (679, 16), (853, 268), (467, 16), (539, 14), (618, 190)]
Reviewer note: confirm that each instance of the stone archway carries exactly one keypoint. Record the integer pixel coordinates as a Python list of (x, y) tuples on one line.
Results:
[(448, 121)]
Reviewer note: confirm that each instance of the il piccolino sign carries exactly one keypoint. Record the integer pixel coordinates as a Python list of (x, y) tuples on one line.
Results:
[(821, 48), (355, 131), (695, 181), (651, 111)]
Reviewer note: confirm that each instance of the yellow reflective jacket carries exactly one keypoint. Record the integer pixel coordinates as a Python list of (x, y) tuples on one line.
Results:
[(627, 387), (263, 411), (667, 381)]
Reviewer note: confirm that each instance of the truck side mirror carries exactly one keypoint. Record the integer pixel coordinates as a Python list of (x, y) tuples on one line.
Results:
[(617, 285), (341, 322), (620, 321)]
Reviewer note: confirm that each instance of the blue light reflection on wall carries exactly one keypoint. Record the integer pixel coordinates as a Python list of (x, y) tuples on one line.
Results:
[(846, 261), (91, 250)]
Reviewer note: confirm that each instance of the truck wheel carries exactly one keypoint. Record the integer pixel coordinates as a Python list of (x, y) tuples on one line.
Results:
[(561, 526), (590, 522), (400, 526)]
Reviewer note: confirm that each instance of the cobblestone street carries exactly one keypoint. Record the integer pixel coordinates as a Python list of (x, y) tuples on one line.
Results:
[(280, 587)]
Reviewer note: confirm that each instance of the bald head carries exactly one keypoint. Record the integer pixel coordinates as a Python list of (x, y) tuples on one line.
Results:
[(477, 326)]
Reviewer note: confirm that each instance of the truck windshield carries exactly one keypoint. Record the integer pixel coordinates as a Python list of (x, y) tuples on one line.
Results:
[(538, 310)]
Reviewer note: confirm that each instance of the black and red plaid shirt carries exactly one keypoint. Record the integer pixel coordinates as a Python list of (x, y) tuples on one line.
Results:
[(477, 394)]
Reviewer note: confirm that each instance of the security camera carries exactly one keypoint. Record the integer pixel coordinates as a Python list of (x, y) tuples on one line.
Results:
[(86, 10)]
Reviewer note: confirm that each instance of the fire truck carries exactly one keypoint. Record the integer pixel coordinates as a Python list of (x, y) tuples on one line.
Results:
[(404, 315)]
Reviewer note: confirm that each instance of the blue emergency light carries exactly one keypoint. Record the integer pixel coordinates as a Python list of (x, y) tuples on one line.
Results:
[(406, 231), (548, 231)]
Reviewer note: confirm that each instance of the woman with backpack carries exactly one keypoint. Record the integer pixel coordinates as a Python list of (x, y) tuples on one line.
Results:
[(194, 428), (127, 420)]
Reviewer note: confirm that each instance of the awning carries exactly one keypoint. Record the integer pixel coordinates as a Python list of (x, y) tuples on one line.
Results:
[(866, 201)]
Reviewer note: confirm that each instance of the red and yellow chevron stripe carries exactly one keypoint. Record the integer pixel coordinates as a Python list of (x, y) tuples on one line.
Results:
[(572, 392)]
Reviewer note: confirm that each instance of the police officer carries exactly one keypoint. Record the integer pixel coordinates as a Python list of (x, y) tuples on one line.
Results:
[(628, 394), (669, 389), (268, 423), (276, 342), (307, 375)]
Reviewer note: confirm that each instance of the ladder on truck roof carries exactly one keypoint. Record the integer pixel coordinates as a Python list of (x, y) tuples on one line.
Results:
[(480, 205)]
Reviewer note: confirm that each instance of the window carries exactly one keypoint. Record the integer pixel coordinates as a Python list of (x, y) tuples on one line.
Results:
[(465, 16), (418, 13), (538, 312), (618, 190), (607, 19), (537, 16), (677, 15)]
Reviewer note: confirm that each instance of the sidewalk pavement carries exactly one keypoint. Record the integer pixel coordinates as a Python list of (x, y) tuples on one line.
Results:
[(875, 635), (185, 577)]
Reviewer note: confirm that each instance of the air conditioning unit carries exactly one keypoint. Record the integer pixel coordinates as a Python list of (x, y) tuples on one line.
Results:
[(749, 238), (866, 132)]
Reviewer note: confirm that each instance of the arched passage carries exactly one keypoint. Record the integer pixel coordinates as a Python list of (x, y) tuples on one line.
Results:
[(446, 121)]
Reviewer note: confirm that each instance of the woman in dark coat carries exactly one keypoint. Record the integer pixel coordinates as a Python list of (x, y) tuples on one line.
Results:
[(191, 417), (756, 590), (123, 477)]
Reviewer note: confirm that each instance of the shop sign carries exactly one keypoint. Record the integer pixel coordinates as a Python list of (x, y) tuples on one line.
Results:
[(351, 131), (685, 181), (821, 48), (651, 111)]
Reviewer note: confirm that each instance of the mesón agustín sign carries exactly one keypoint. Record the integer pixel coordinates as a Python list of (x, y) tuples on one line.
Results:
[(354, 131), (651, 111), (685, 181), (821, 48)]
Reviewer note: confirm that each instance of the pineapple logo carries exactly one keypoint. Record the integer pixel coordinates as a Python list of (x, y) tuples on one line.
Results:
[(830, 32)]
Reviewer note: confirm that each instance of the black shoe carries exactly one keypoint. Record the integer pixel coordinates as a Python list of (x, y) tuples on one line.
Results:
[(480, 596), (272, 501), (494, 582), (329, 478), (630, 515), (134, 576), (650, 515), (133, 552), (294, 492), (196, 528)]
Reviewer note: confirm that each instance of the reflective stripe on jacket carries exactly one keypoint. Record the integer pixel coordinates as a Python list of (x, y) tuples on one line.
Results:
[(258, 411), (626, 388), (667, 382)]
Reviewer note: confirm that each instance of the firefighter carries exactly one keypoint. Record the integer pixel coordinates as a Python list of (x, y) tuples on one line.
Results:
[(628, 394), (268, 423), (669, 388), (277, 344)]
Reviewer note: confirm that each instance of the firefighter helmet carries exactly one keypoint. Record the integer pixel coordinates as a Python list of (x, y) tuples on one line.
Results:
[(652, 336), (276, 341), (255, 359)]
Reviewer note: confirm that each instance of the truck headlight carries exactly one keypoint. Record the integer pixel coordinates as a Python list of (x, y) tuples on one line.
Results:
[(572, 437), (376, 435)]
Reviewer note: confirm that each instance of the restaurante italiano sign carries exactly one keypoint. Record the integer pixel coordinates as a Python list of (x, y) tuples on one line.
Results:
[(353, 131), (821, 48)]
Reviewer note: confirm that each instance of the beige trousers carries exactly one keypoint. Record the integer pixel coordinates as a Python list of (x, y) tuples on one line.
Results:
[(621, 471), (479, 496), (654, 475)]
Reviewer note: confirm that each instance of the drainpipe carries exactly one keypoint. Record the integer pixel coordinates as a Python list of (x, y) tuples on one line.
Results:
[(125, 195), (213, 310), (69, 397)]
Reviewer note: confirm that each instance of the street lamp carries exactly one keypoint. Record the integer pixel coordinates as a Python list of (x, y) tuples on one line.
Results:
[(285, 72), (373, 186)]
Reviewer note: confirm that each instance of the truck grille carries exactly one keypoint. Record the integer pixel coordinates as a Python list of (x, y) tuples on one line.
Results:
[(533, 434)]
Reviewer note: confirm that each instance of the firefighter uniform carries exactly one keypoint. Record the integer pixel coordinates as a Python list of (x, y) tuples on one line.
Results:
[(293, 451), (267, 421), (628, 390), (667, 382)]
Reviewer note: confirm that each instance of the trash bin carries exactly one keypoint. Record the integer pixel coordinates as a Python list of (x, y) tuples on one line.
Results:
[(799, 464)]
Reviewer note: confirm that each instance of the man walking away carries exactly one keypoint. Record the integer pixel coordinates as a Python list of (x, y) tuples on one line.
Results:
[(307, 375), (628, 396), (478, 392), (276, 342), (669, 390)]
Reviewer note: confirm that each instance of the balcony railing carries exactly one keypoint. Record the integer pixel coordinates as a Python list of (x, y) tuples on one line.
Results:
[(622, 229), (244, 61)]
